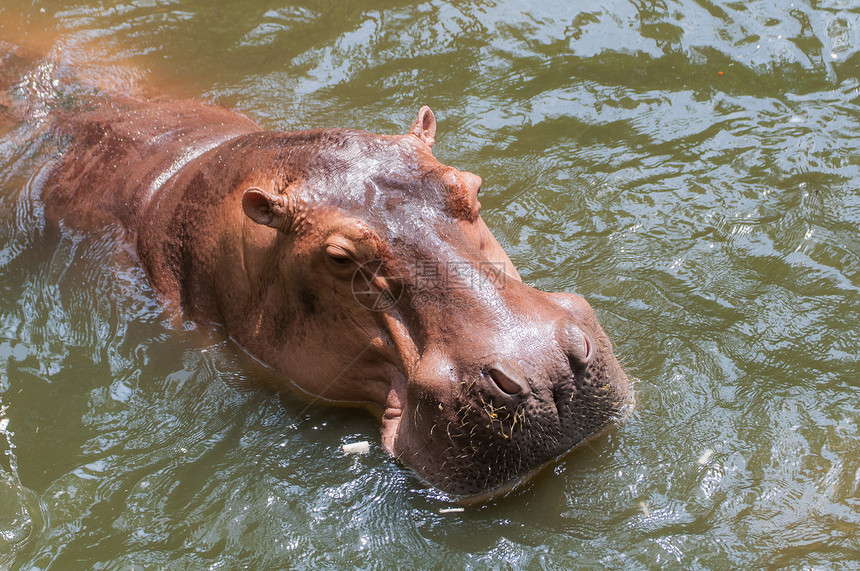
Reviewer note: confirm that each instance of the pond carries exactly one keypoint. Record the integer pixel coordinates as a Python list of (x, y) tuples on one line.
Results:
[(691, 168)]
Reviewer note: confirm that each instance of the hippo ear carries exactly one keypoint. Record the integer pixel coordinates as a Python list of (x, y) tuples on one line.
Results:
[(424, 126), (266, 208)]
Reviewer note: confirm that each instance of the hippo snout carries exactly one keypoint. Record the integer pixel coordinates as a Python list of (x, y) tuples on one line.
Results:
[(490, 425)]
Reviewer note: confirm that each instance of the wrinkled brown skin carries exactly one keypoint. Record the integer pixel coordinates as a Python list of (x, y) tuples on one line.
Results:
[(479, 380)]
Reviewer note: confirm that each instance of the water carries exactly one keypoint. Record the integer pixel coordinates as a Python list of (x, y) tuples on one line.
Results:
[(690, 167)]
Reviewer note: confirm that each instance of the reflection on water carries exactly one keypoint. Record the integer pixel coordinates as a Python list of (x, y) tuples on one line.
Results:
[(691, 168)]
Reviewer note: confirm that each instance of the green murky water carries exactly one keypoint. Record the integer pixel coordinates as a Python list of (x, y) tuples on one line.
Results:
[(692, 168)]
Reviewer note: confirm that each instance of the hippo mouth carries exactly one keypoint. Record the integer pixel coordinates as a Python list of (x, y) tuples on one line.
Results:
[(391, 418), (392, 415)]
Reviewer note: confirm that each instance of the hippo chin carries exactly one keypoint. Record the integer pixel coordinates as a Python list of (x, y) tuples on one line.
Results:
[(355, 265)]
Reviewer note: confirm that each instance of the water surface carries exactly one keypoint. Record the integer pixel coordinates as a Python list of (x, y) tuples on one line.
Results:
[(690, 167)]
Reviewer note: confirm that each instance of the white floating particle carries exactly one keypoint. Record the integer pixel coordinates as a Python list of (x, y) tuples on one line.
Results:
[(4, 422), (703, 459), (834, 56), (451, 510), (645, 511), (362, 447)]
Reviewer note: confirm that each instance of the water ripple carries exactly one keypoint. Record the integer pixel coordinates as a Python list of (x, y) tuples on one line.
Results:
[(690, 167)]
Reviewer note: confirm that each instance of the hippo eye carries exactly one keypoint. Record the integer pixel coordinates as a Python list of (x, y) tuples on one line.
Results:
[(338, 255)]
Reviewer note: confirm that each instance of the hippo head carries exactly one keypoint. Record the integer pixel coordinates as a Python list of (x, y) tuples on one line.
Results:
[(378, 283)]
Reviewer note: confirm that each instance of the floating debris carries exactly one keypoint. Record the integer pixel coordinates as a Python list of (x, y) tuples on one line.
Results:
[(703, 459), (451, 510), (362, 447)]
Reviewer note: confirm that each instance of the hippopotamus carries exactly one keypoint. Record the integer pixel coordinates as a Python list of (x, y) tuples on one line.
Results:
[(356, 266)]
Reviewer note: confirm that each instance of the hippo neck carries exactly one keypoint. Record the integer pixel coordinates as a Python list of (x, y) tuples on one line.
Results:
[(133, 149), (191, 152)]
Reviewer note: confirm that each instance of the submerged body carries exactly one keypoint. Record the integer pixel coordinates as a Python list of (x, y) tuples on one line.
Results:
[(358, 267)]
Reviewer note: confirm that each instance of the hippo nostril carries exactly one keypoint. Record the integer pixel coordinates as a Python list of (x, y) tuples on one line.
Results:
[(575, 343), (512, 384)]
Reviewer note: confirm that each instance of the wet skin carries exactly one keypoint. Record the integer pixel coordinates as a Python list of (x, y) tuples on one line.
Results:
[(358, 267)]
